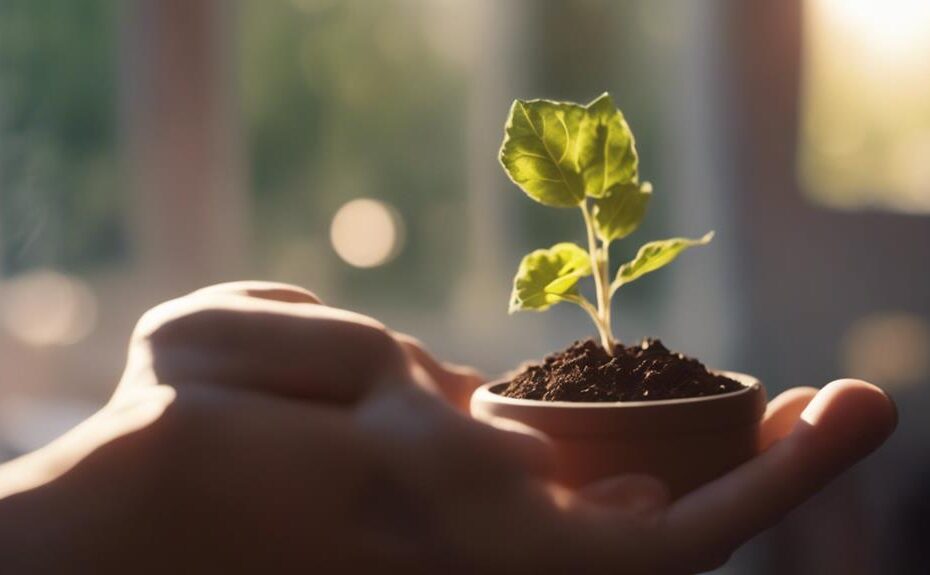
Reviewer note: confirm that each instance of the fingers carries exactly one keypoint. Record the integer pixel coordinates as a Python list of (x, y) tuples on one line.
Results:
[(638, 502), (782, 415), (306, 351), (456, 383), (842, 424), (243, 334), (262, 290)]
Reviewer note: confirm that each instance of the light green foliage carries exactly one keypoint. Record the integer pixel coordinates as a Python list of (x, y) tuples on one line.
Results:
[(560, 152), (621, 210), (549, 276), (655, 255), (606, 153), (563, 154), (540, 151)]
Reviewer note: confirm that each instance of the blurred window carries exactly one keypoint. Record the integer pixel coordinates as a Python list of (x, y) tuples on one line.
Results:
[(865, 132), (60, 204), (348, 100)]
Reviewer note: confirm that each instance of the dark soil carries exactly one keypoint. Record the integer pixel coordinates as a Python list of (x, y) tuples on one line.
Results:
[(645, 372)]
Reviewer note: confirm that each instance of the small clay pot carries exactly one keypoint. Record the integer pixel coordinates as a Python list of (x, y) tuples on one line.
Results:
[(684, 442)]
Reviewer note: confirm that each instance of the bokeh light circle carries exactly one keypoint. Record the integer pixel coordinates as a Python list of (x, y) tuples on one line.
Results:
[(46, 308), (366, 233)]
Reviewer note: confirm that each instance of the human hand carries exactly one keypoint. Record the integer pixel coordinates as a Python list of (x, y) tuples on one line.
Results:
[(255, 430)]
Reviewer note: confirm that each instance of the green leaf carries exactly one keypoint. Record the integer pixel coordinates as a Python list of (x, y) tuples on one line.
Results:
[(546, 277), (606, 148), (540, 151), (619, 212), (655, 255)]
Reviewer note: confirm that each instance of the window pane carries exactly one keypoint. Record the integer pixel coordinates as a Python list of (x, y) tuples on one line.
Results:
[(865, 133), (59, 176), (349, 100)]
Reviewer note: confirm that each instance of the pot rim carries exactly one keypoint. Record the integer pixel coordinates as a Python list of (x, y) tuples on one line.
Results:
[(712, 413), (485, 393)]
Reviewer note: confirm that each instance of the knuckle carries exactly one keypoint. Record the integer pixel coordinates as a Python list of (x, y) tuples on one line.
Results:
[(151, 320), (377, 341), (181, 321), (163, 315)]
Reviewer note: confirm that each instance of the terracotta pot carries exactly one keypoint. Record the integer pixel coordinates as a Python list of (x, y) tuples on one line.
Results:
[(684, 442)]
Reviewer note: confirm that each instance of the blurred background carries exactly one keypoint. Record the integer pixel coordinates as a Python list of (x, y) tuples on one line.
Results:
[(149, 147)]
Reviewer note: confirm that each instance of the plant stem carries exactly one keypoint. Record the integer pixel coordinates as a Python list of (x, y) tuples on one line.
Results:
[(606, 293), (599, 269)]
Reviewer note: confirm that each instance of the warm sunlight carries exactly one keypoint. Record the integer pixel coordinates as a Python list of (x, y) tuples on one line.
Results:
[(892, 28), (868, 61)]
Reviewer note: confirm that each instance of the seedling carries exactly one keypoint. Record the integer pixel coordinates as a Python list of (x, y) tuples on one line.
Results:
[(566, 155)]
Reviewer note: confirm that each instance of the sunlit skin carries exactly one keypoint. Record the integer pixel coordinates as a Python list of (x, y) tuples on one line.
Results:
[(258, 430)]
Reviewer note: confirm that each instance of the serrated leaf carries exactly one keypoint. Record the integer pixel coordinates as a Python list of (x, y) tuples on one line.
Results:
[(606, 148), (620, 211), (655, 255), (540, 151), (546, 277)]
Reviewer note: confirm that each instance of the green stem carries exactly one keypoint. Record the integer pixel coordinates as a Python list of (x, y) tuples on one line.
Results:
[(599, 268), (607, 294)]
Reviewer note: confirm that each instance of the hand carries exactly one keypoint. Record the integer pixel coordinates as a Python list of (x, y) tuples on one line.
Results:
[(256, 430)]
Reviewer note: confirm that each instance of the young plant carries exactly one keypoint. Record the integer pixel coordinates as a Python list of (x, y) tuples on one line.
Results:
[(566, 155)]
